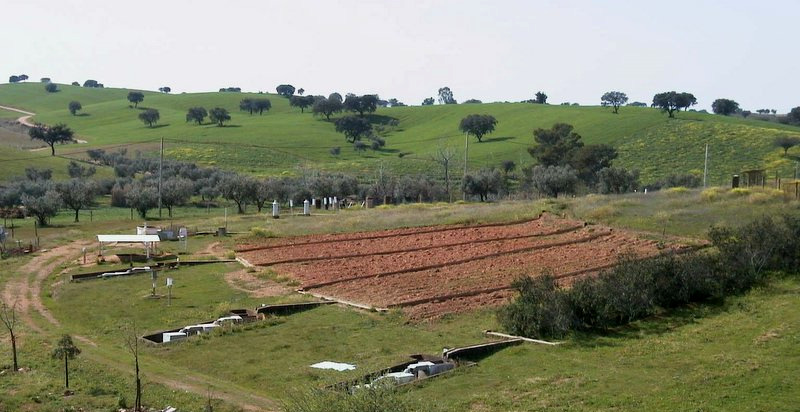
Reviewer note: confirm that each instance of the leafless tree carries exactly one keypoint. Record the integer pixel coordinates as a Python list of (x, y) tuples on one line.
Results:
[(8, 316), (444, 157), (132, 341)]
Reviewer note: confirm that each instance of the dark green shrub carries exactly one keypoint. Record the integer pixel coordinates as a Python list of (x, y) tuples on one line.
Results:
[(541, 310)]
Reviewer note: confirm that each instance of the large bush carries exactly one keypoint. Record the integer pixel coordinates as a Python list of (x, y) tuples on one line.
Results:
[(541, 309)]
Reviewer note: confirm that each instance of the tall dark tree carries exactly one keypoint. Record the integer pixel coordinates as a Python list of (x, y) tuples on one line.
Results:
[(587, 160), (65, 349), (336, 96), (367, 103), (668, 102), (428, 101), (91, 83), (59, 133), (327, 107), (478, 125), (150, 117), (196, 114), (261, 105), (23, 77), (13, 79), (541, 98), (300, 91), (556, 145), (76, 84), (725, 107), (353, 127), (135, 98), (614, 99), (219, 116), (165, 89), (247, 105), (285, 90), (74, 107), (685, 100), (793, 115), (51, 87), (446, 96), (302, 102)]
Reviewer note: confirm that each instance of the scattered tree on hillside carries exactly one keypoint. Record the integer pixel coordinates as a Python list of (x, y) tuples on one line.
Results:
[(637, 104), (300, 91), (141, 198), (51, 87), (231, 89), (327, 107), (13, 79), (23, 77), (285, 90), (724, 107), (74, 107), (246, 105), (793, 115), (76, 194), (367, 103), (668, 102), (219, 116), (483, 183), (135, 98), (165, 89), (446, 96), (541, 98), (786, 143), (551, 180), (428, 101), (8, 317), (43, 207), (302, 102), (65, 349), (614, 99), (196, 114), (478, 125), (336, 96), (685, 100), (59, 133), (261, 105), (149, 117), (353, 127), (44, 80), (556, 145), (472, 101), (92, 83)]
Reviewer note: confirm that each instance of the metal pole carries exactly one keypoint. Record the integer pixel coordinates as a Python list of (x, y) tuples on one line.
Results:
[(705, 169), (160, 168), (466, 152)]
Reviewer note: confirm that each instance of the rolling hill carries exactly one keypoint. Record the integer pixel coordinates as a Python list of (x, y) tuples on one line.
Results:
[(286, 141)]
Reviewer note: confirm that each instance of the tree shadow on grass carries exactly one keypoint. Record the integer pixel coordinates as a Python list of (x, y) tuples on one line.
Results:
[(158, 126), (380, 119), (82, 115), (497, 139)]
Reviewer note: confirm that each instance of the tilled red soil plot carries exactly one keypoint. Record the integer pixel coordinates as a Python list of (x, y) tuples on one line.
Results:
[(436, 270)]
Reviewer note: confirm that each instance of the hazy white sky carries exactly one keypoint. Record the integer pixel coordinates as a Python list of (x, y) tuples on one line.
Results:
[(489, 50)]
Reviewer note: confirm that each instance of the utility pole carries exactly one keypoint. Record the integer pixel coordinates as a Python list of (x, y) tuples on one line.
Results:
[(466, 152), (160, 168), (705, 169)]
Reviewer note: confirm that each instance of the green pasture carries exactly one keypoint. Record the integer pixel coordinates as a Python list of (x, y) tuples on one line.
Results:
[(285, 141)]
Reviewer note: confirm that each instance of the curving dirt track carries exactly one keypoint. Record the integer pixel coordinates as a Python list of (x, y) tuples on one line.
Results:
[(433, 271)]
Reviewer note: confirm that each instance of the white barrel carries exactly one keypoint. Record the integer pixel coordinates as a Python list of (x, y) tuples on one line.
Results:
[(276, 209), (306, 208), (335, 203)]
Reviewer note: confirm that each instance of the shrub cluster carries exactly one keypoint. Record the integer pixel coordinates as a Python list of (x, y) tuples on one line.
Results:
[(637, 288)]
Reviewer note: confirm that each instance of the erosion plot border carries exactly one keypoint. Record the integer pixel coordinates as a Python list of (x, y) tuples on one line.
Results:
[(461, 261), (421, 248), (384, 236)]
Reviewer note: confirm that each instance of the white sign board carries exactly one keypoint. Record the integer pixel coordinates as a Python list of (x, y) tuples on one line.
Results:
[(169, 282)]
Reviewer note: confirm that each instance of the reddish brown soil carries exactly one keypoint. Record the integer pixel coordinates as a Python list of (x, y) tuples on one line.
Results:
[(430, 272)]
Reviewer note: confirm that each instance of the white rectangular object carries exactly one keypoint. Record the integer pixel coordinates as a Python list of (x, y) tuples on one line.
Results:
[(337, 366), (128, 238), (172, 336)]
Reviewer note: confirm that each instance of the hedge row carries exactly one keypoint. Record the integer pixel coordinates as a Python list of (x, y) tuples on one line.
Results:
[(637, 288)]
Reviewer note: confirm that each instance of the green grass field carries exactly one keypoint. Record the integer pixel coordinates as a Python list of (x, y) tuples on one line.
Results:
[(284, 141)]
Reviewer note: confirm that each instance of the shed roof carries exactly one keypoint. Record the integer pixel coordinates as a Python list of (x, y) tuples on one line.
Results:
[(128, 238)]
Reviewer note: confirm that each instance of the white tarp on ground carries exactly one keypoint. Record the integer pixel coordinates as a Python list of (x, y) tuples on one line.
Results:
[(337, 366), (127, 238)]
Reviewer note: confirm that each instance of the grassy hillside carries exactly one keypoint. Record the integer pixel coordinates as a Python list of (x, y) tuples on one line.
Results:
[(283, 140)]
